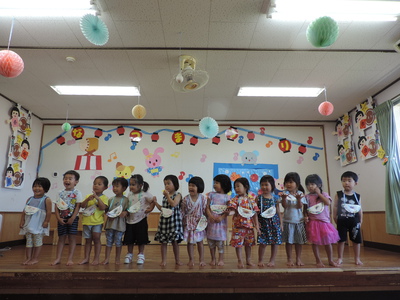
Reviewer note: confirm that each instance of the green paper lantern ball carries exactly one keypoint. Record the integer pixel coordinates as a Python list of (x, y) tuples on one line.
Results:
[(66, 127), (322, 32)]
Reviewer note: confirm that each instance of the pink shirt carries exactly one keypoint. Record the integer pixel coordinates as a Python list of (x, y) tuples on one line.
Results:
[(324, 216)]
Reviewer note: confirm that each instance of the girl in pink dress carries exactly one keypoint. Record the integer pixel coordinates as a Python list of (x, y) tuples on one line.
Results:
[(319, 229), (216, 213), (193, 208)]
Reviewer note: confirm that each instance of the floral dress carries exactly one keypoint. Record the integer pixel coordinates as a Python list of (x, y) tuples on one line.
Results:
[(270, 227), (170, 229), (191, 214), (217, 231)]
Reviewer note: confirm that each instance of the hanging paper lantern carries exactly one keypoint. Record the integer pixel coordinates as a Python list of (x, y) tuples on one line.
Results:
[(98, 133), (94, 29), (178, 137), (11, 64), (208, 127), (120, 130), (60, 140), (302, 149), (325, 108), (322, 32), (194, 140), (251, 135), (284, 145), (136, 135), (139, 111), (155, 137), (216, 140), (231, 133), (77, 133), (66, 126)]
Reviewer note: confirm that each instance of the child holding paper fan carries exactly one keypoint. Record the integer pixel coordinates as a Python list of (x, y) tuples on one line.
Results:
[(294, 232), (244, 220), (141, 203), (320, 231), (170, 229), (216, 212), (35, 220), (269, 219), (194, 221)]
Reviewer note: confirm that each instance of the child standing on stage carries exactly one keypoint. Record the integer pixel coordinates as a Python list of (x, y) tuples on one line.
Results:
[(320, 231), (35, 220), (217, 221), (95, 206), (141, 203), (193, 210), (116, 223), (348, 215), (244, 220), (269, 219), (293, 219), (67, 209), (170, 229)]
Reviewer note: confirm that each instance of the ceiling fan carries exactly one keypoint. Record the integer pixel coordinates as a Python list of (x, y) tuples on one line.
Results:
[(188, 79)]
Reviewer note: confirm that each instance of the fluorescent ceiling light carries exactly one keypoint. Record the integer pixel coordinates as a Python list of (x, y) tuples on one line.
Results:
[(96, 90), (339, 10), (46, 8), (279, 92)]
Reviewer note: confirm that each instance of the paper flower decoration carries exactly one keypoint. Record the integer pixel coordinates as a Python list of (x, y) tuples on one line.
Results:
[(139, 111), (325, 108), (66, 126), (94, 29), (11, 64), (208, 127), (322, 32)]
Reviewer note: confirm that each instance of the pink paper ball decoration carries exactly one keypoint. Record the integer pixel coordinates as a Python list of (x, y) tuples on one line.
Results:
[(325, 108), (11, 64)]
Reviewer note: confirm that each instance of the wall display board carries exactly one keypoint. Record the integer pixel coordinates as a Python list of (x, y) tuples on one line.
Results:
[(155, 151)]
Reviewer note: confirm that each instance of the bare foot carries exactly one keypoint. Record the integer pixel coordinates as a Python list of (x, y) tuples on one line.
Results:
[(221, 263), (271, 264), (32, 262), (69, 263), (212, 263), (299, 263), (202, 264), (261, 264), (339, 261), (95, 263), (320, 265), (56, 262), (240, 264), (26, 262), (333, 264), (84, 262), (250, 263), (290, 263), (190, 263), (163, 264), (358, 262), (105, 262), (178, 263)]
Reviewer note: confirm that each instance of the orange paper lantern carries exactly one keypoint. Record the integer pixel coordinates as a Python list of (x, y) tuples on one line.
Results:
[(325, 108), (11, 64)]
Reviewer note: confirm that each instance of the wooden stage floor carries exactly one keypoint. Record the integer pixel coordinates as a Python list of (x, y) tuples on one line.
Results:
[(380, 272)]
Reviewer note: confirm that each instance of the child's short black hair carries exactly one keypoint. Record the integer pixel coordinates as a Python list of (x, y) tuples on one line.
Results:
[(244, 181), (314, 178), (102, 178), (174, 180), (270, 179), (122, 181), (72, 172), (43, 182), (225, 182), (349, 174), (198, 182), (139, 180)]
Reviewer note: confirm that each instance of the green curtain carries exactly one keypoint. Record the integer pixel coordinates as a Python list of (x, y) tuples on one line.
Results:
[(388, 133)]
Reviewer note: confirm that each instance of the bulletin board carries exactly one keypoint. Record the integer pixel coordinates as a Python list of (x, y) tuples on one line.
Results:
[(155, 151)]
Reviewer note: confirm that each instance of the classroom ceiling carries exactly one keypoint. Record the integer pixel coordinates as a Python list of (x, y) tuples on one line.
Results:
[(233, 40)]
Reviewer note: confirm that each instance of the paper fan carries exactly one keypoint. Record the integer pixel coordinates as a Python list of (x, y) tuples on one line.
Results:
[(30, 210), (94, 29), (208, 127), (269, 213)]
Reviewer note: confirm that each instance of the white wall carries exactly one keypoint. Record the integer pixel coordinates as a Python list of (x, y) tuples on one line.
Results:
[(13, 199)]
